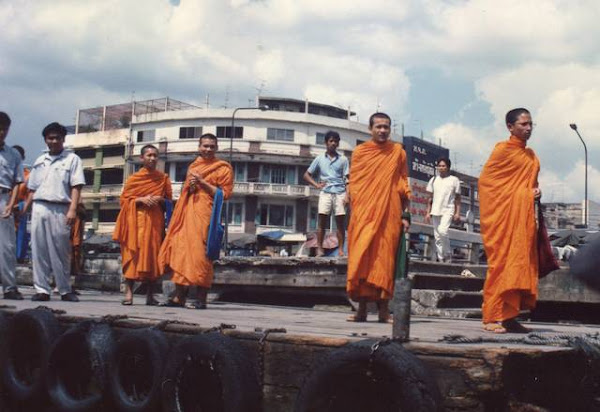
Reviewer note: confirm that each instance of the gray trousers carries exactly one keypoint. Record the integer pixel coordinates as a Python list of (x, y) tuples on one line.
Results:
[(50, 246), (8, 248)]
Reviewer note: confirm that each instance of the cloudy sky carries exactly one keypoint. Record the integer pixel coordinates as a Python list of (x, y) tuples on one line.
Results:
[(450, 69)]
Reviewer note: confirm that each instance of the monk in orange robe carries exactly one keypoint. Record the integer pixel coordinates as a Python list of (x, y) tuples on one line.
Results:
[(508, 187), (141, 224), (77, 240), (184, 248), (379, 192)]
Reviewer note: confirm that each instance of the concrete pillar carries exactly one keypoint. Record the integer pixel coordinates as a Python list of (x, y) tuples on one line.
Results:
[(250, 206), (301, 215)]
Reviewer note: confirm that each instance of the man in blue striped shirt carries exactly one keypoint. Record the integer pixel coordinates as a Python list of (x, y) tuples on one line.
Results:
[(333, 170)]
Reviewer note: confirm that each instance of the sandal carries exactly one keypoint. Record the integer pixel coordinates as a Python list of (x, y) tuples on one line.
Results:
[(495, 327), (196, 305), (513, 326), (152, 302), (127, 302), (170, 303), (356, 318)]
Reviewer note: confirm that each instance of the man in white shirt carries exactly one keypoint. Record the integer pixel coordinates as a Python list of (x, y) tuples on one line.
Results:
[(443, 207), (54, 187)]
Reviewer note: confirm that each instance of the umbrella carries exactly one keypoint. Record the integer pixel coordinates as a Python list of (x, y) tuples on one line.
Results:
[(568, 239), (330, 241), (272, 234), (241, 240)]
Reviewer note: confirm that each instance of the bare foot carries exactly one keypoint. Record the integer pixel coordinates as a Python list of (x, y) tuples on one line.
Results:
[(320, 252)]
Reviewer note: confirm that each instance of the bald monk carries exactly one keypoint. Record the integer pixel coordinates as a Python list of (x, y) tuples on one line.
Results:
[(184, 248), (141, 224), (508, 187), (379, 192)]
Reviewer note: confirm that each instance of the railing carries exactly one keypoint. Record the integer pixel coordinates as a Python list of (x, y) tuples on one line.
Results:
[(105, 191), (274, 189)]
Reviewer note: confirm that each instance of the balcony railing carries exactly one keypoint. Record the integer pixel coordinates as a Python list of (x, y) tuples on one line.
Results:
[(242, 188)]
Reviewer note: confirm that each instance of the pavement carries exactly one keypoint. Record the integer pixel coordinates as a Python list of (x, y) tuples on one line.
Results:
[(296, 321)]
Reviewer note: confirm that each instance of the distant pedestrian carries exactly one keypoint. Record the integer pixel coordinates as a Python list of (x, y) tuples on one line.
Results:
[(508, 189), (332, 169), (54, 187), (443, 207), (11, 175)]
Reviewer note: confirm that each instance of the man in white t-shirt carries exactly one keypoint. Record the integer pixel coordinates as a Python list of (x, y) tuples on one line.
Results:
[(443, 207)]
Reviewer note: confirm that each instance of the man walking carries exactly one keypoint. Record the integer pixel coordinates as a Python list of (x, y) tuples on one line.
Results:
[(184, 248), (379, 192), (54, 187), (443, 207), (11, 175), (333, 171), (140, 225), (508, 189)]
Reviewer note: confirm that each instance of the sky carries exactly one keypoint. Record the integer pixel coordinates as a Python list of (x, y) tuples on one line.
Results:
[(449, 69)]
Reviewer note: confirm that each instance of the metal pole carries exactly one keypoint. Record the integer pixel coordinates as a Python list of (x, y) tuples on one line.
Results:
[(262, 108), (585, 215)]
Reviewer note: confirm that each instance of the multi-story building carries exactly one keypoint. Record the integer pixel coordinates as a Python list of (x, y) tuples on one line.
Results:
[(571, 215), (269, 149)]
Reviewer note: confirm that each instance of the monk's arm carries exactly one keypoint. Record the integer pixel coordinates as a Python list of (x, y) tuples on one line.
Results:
[(28, 202)]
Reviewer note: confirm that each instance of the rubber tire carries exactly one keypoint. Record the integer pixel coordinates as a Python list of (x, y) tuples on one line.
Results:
[(79, 359), (225, 379), (138, 359), (29, 336), (393, 380)]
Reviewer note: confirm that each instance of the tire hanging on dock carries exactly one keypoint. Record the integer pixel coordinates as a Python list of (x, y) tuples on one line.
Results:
[(136, 370), (358, 378), (210, 372), (77, 369), (29, 336)]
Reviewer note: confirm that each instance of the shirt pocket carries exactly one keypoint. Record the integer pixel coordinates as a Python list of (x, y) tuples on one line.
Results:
[(64, 171)]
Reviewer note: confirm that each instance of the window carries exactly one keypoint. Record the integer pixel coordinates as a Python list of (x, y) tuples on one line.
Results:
[(111, 176), (89, 176), (239, 171), (234, 213), (108, 215), (313, 216), (280, 134), (320, 138), (86, 153), (190, 132), (114, 151), (465, 191), (145, 135), (275, 215), (225, 131), (278, 174), (181, 171)]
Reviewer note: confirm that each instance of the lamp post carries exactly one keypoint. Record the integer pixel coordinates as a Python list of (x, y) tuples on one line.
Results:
[(262, 108), (585, 216)]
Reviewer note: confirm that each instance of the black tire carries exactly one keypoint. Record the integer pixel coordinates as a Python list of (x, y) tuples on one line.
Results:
[(29, 336), (137, 369), (210, 372), (77, 367), (351, 379)]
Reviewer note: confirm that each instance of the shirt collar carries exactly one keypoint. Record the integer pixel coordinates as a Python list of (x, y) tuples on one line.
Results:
[(334, 158)]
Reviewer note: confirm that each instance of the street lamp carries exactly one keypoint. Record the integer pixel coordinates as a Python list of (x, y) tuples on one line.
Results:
[(262, 108), (585, 216)]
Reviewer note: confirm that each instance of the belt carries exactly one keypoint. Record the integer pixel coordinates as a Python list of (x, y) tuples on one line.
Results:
[(50, 202), (4, 190)]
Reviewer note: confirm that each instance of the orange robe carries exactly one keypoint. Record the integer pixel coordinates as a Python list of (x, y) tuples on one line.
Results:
[(378, 185), (508, 229), (184, 248), (77, 240), (22, 193), (140, 229)]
